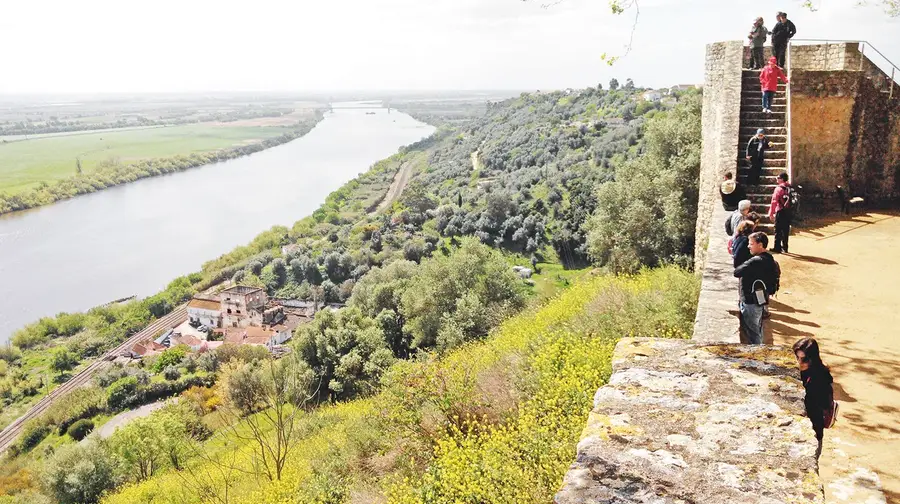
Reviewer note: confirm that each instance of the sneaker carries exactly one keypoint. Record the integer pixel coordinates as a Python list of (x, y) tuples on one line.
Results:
[(776, 251)]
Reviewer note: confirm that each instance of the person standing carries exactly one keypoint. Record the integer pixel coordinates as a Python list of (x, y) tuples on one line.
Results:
[(783, 31), (768, 80), (781, 211), (740, 244), (817, 380), (743, 210), (759, 280), (731, 191), (758, 34), (756, 154)]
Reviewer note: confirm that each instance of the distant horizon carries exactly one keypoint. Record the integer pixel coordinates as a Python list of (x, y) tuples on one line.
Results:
[(99, 46)]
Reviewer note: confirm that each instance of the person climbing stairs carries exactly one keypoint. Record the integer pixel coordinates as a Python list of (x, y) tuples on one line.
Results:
[(774, 124)]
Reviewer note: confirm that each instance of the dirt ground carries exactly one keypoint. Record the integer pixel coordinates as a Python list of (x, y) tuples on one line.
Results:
[(841, 285)]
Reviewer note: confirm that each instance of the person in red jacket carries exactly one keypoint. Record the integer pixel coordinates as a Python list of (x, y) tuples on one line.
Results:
[(781, 211), (768, 79)]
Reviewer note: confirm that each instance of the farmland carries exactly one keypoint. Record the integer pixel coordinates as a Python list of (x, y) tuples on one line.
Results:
[(26, 163)]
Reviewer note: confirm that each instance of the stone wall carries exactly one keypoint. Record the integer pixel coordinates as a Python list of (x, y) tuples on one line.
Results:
[(721, 128), (844, 131), (687, 422), (823, 57), (821, 110), (716, 320)]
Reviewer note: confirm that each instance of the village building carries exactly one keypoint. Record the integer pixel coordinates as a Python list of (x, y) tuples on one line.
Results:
[(652, 96), (146, 348), (206, 311), (242, 306)]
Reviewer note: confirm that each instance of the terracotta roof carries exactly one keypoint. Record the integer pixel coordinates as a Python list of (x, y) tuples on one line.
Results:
[(187, 340), (248, 335), (204, 304)]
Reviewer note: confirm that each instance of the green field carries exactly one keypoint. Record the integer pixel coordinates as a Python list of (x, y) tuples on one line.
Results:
[(26, 163)]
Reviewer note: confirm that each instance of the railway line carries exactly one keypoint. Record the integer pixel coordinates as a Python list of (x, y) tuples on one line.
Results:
[(9, 434)]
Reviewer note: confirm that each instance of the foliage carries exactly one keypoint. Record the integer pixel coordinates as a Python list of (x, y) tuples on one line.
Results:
[(80, 429), (33, 433), (459, 297), (647, 214), (147, 444), (495, 420), (170, 357), (80, 473), (346, 350), (63, 360), (265, 400)]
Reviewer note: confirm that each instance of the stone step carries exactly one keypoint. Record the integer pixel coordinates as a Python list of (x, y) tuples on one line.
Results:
[(768, 162), (776, 142), (763, 121), (751, 130), (764, 179), (755, 105), (766, 170), (758, 115)]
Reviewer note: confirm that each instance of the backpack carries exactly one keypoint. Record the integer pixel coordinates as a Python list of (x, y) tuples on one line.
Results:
[(777, 283), (790, 198), (729, 230)]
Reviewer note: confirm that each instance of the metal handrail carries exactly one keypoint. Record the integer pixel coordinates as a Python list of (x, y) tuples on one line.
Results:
[(895, 70), (828, 41), (790, 130)]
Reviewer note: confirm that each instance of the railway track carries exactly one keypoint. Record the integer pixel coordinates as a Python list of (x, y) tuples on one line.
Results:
[(9, 435)]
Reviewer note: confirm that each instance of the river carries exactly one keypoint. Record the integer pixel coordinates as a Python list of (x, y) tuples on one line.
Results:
[(133, 239)]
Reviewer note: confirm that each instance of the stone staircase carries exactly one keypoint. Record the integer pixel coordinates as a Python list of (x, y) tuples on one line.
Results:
[(753, 118)]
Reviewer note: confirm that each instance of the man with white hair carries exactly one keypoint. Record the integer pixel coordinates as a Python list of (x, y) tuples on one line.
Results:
[(743, 210)]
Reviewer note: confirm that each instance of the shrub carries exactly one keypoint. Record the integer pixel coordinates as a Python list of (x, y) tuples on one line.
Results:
[(121, 392), (171, 373), (81, 473), (80, 429), (170, 357), (77, 404), (33, 433)]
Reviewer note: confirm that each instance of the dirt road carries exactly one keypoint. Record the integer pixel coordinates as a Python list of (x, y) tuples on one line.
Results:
[(841, 285), (397, 186)]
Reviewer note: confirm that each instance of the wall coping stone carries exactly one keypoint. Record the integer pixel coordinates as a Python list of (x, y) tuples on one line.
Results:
[(690, 422), (717, 309)]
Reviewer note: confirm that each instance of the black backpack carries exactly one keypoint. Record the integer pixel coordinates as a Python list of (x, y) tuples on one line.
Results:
[(729, 230), (790, 198)]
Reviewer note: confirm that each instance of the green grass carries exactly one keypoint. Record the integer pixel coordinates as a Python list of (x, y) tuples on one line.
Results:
[(25, 164)]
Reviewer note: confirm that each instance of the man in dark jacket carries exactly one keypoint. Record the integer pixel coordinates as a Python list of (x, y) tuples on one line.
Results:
[(783, 31), (759, 278), (756, 153)]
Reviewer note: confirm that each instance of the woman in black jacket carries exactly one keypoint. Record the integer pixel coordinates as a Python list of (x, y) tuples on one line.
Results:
[(817, 381)]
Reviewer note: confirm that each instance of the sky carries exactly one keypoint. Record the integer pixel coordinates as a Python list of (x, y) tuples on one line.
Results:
[(99, 46)]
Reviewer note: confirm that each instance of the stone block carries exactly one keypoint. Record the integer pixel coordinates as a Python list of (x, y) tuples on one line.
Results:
[(688, 422)]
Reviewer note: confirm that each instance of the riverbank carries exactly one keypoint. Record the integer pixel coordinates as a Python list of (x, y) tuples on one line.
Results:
[(113, 171)]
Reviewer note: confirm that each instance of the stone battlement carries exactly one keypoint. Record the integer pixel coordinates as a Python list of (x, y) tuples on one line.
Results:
[(684, 421)]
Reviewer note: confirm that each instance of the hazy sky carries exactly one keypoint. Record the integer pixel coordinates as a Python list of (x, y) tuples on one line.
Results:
[(301, 45)]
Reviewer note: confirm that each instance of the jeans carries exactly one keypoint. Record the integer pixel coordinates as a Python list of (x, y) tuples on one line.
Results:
[(782, 230), (752, 319), (756, 58), (767, 98)]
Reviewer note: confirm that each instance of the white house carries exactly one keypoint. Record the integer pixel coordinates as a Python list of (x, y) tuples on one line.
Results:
[(205, 311), (652, 96)]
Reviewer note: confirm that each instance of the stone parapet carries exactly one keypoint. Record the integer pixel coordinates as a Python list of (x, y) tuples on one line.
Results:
[(721, 131), (717, 309), (685, 422)]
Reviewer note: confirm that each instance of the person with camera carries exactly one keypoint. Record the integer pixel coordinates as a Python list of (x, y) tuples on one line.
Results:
[(759, 276)]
